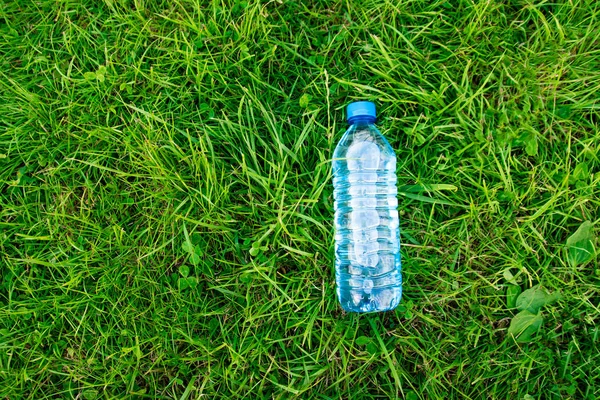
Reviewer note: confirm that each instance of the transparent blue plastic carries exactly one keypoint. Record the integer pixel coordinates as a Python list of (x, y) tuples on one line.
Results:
[(367, 239)]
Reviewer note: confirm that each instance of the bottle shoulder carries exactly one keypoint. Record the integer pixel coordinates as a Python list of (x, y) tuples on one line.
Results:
[(363, 148), (363, 133)]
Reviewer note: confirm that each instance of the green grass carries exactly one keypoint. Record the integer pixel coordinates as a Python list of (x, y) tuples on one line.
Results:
[(166, 201)]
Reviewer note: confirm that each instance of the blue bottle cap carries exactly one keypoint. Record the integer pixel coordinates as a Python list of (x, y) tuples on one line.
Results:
[(360, 109)]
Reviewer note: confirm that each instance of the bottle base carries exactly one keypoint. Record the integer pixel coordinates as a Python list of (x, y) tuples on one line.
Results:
[(376, 301)]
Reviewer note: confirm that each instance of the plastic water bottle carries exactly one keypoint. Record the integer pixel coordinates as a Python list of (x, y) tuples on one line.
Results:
[(367, 238)]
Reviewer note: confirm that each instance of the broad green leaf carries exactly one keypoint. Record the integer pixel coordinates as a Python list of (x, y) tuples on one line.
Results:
[(187, 247), (304, 100), (183, 283), (535, 298), (90, 394), (524, 325), (89, 76), (184, 270), (194, 258), (196, 238), (372, 348), (192, 281), (362, 340), (531, 144), (580, 245), (581, 171), (412, 395), (198, 250), (254, 251), (512, 293)]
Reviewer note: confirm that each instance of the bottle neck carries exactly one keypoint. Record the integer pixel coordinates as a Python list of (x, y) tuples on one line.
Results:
[(361, 119)]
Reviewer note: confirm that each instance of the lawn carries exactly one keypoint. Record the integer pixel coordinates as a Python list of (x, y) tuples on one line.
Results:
[(166, 201)]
